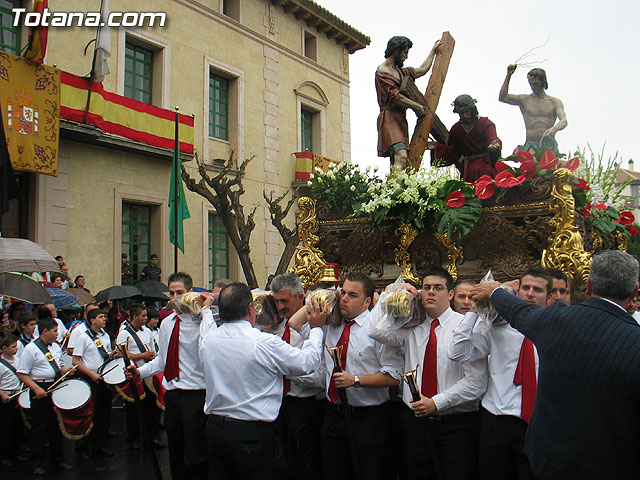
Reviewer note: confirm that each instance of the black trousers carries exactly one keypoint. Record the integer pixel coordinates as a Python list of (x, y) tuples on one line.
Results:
[(454, 437), (241, 450), (148, 404), (502, 448), (300, 423), (12, 424), (184, 421), (44, 427), (369, 428), (102, 398)]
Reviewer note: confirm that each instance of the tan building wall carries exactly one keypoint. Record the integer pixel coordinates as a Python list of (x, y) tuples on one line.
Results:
[(263, 54)]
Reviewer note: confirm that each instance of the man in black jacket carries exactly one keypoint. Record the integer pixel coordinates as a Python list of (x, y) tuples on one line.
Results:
[(586, 419)]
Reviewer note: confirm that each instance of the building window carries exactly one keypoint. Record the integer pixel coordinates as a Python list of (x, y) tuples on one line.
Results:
[(9, 35), (310, 46), (138, 73), (635, 192), (136, 235), (306, 131), (218, 107), (231, 8), (218, 250)]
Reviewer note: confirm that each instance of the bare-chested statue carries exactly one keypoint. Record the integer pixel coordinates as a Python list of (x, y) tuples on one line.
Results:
[(393, 97), (539, 110)]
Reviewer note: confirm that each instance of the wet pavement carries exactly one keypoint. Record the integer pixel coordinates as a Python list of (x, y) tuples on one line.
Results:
[(126, 464)]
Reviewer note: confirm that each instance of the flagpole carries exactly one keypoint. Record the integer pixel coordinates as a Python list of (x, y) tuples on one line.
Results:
[(176, 184), (93, 69)]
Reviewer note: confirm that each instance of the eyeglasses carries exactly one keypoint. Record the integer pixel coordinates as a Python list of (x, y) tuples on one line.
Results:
[(435, 288)]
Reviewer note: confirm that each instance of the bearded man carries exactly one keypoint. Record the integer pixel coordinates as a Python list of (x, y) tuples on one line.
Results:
[(473, 145), (394, 99)]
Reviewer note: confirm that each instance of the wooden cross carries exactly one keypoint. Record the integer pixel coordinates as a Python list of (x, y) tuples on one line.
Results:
[(432, 96)]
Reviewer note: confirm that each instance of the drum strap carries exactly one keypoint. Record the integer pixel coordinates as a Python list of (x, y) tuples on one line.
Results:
[(47, 354), (98, 343), (25, 340), (10, 367), (136, 338)]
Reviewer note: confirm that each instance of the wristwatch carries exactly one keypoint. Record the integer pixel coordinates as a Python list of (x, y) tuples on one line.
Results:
[(356, 382)]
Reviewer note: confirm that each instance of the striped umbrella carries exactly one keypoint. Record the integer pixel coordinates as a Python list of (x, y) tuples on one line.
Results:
[(61, 298), (20, 255)]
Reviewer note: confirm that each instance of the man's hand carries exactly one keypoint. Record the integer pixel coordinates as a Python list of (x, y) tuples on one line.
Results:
[(39, 392), (344, 379), (423, 407), (208, 299), (315, 316), (482, 291), (549, 132), (511, 68), (95, 377), (5, 398), (68, 371), (419, 110), (436, 46), (131, 372), (149, 355), (495, 145)]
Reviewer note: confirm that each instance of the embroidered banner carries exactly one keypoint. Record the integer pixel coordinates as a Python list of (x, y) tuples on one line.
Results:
[(31, 113), (124, 116)]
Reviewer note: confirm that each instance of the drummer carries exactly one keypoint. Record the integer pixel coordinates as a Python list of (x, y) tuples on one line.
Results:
[(10, 384), (80, 328), (91, 350), (39, 366), (26, 325)]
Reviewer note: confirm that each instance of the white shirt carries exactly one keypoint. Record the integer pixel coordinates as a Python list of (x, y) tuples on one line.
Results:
[(244, 367), (192, 331), (155, 334), (77, 331), (460, 384), (636, 316), (86, 348), (9, 381), (144, 336), (35, 364), (365, 356), (22, 345), (302, 386), (501, 343)]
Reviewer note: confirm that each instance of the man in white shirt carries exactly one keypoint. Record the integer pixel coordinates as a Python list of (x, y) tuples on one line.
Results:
[(39, 366), (91, 350), (508, 402), (369, 369), (441, 429), (244, 370), (303, 403), (184, 419), (79, 329), (49, 310)]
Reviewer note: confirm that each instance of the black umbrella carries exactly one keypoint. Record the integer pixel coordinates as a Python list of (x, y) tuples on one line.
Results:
[(23, 287), (153, 289), (117, 292)]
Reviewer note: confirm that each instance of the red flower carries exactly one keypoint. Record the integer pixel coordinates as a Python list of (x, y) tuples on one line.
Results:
[(485, 189), (501, 166), (586, 212), (626, 218), (483, 178), (455, 199), (518, 180), (525, 157), (582, 183), (548, 161), (507, 179), (572, 164), (599, 206), (632, 230), (528, 169)]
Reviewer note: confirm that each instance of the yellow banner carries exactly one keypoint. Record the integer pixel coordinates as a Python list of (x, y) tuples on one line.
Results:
[(31, 113)]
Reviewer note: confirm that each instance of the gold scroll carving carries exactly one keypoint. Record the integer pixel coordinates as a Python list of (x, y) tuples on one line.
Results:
[(454, 254), (408, 234), (565, 249), (309, 262)]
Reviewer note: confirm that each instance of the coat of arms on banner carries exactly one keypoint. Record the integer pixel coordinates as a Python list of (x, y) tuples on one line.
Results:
[(22, 116)]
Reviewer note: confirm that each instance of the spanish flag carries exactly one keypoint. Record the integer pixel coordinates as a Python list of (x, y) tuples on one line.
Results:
[(38, 35)]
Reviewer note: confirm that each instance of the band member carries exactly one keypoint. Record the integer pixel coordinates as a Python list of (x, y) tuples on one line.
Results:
[(80, 328), (39, 366), (369, 369), (10, 384), (184, 418), (138, 340), (509, 400), (91, 350), (26, 326), (48, 310), (244, 371), (440, 430)]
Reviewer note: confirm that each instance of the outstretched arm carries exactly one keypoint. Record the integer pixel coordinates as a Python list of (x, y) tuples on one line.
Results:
[(504, 95), (426, 65), (562, 120)]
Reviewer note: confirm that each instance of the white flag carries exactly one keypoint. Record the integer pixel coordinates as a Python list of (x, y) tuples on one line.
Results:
[(103, 45)]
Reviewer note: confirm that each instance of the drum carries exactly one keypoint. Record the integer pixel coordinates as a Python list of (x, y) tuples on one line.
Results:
[(113, 372), (74, 408), (67, 359), (24, 400)]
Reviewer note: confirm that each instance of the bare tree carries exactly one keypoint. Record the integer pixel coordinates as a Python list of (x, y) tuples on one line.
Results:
[(289, 235), (223, 191)]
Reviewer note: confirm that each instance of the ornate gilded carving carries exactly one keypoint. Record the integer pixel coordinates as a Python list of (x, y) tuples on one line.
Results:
[(523, 207), (309, 264), (622, 241), (565, 248), (596, 240), (408, 234), (455, 254)]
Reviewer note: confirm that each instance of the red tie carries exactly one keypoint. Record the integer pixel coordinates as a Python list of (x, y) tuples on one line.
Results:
[(344, 341), (286, 336), (172, 365), (430, 363), (526, 376)]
